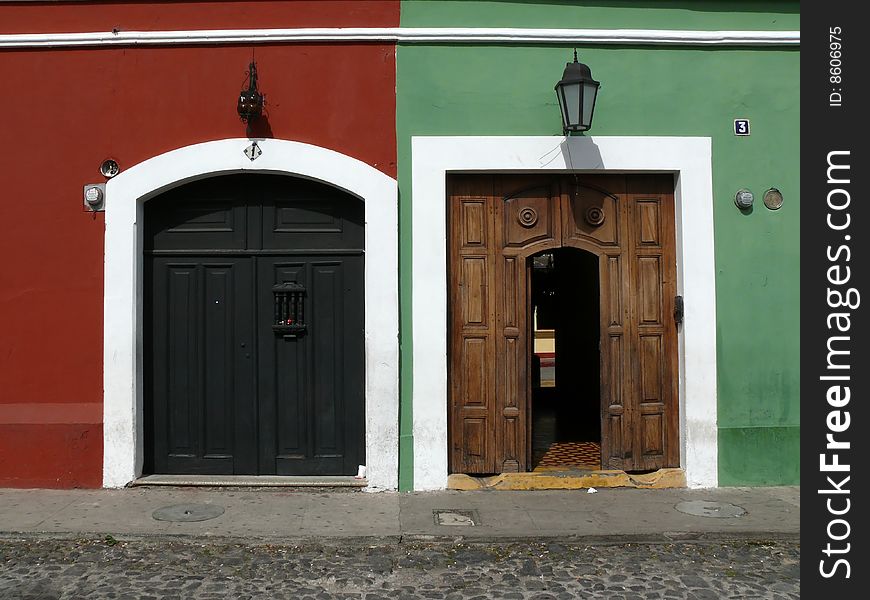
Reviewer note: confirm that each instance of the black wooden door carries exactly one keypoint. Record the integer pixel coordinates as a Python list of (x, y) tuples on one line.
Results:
[(225, 393)]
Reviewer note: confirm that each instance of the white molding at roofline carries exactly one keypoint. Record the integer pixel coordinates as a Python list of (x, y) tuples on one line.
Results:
[(423, 35)]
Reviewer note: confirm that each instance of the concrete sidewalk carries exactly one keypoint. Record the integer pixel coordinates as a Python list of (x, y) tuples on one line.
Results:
[(613, 514)]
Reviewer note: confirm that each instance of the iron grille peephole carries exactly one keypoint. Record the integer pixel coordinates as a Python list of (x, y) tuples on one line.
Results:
[(289, 309)]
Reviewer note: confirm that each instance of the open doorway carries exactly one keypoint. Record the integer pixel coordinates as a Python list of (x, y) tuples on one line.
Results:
[(565, 388)]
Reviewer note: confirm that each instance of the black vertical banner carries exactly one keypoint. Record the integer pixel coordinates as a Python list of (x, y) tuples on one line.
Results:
[(835, 299)]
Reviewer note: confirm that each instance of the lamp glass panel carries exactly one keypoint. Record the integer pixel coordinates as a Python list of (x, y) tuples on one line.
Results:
[(560, 96), (572, 103), (589, 92)]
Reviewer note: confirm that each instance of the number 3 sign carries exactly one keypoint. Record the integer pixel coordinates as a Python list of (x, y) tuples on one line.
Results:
[(741, 126)]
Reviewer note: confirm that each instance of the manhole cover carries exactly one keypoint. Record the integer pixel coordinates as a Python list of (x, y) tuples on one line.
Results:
[(188, 513), (460, 518), (708, 508)]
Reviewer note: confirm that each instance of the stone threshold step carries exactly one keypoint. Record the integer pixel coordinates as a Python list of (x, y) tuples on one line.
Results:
[(338, 481), (570, 480)]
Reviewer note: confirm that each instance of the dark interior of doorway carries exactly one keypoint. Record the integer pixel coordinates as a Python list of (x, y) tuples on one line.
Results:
[(565, 402)]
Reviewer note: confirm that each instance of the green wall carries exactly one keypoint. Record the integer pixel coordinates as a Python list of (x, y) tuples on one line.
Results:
[(655, 90), (603, 14)]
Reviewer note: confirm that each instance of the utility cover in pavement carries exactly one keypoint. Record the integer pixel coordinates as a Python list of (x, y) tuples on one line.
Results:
[(461, 518), (188, 513), (708, 508)]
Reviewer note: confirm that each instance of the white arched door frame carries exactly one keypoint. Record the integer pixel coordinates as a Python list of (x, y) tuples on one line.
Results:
[(123, 439)]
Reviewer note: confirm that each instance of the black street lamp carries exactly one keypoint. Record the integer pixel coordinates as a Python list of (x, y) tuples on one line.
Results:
[(576, 92)]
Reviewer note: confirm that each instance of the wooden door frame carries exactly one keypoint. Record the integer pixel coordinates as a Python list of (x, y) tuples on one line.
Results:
[(123, 439), (689, 159)]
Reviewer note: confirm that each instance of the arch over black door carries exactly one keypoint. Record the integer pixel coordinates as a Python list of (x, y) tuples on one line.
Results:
[(225, 393)]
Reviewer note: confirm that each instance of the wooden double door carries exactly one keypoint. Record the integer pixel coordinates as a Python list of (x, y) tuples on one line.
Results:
[(226, 391), (496, 224)]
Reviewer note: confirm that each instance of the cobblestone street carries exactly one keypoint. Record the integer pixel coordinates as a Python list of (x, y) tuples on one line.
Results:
[(32, 568)]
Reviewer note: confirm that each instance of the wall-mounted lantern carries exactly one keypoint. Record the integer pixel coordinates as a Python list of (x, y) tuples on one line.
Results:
[(576, 93), (250, 105)]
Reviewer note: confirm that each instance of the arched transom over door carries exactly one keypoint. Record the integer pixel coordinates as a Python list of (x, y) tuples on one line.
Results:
[(496, 223), (254, 341)]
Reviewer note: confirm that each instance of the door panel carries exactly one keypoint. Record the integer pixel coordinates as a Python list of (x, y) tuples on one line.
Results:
[(225, 393), (471, 440), (653, 333), (649, 291), (591, 214), (204, 216), (616, 424), (489, 356), (284, 372), (475, 290), (495, 224), (527, 216), (310, 215), (614, 360), (202, 383), (311, 385), (511, 366)]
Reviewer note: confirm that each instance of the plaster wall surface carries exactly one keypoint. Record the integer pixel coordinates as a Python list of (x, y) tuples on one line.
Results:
[(496, 90), (78, 107)]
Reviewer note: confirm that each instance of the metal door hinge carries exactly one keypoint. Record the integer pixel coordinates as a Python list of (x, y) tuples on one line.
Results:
[(678, 310)]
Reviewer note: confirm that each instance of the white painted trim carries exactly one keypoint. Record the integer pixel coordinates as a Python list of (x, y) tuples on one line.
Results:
[(122, 366), (408, 35), (690, 158)]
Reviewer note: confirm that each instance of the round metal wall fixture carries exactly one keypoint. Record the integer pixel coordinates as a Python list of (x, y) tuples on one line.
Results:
[(109, 168), (744, 199), (93, 196), (773, 199)]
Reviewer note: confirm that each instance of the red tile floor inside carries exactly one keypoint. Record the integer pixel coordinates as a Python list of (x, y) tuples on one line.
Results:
[(561, 456)]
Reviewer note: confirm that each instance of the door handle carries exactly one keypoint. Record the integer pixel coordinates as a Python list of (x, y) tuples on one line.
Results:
[(678, 310)]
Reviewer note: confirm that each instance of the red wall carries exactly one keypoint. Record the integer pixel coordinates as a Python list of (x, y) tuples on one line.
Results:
[(129, 15), (66, 110)]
